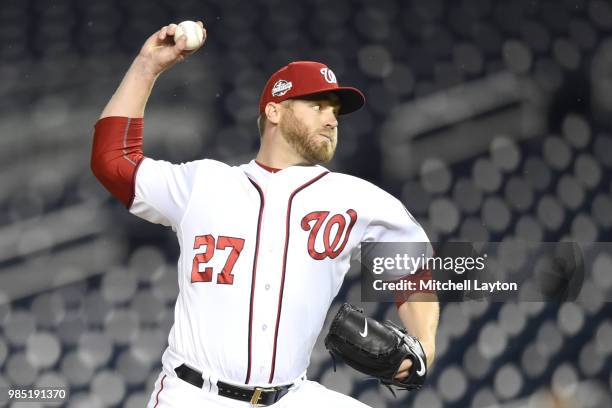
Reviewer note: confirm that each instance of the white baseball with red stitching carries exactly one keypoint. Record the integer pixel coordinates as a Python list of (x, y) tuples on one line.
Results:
[(193, 32)]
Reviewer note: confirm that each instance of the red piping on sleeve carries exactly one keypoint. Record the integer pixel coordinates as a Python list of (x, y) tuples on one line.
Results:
[(116, 155)]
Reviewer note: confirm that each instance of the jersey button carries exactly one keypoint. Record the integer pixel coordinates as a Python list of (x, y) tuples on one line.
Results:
[(267, 286), (264, 327)]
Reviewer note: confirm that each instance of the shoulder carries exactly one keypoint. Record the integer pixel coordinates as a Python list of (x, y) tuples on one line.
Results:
[(211, 164), (198, 165), (191, 169), (375, 202), (348, 184), (215, 171)]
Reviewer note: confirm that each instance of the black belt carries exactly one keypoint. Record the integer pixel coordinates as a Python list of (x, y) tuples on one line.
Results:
[(257, 396)]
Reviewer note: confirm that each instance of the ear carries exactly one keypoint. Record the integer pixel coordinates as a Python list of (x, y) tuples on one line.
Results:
[(273, 113)]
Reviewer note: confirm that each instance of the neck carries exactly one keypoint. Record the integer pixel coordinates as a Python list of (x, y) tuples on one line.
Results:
[(279, 161)]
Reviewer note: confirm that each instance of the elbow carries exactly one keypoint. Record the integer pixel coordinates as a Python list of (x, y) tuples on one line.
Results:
[(101, 167), (96, 166), (117, 175), (101, 151), (116, 154)]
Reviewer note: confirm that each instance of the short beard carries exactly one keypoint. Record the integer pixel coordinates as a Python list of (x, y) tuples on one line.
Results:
[(305, 144)]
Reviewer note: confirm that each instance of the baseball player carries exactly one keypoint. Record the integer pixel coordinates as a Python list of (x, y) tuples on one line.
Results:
[(264, 246)]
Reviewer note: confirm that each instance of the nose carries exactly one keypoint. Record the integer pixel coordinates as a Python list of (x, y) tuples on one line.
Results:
[(331, 122)]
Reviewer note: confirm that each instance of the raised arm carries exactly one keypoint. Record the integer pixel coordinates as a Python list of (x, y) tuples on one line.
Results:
[(117, 143), (158, 53)]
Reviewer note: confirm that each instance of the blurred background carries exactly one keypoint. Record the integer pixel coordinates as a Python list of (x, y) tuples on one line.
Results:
[(489, 119)]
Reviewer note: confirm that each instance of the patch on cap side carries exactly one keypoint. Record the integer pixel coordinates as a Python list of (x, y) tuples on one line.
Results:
[(281, 87)]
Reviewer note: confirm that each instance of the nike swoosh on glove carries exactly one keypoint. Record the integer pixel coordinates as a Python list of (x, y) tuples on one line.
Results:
[(376, 349)]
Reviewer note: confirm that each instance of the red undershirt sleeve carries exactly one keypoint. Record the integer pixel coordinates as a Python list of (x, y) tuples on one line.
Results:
[(116, 155), (422, 275)]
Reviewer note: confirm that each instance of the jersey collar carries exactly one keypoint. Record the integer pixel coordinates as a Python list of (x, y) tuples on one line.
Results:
[(267, 168), (294, 173)]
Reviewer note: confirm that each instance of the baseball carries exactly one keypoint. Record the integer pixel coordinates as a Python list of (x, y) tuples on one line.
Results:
[(193, 32)]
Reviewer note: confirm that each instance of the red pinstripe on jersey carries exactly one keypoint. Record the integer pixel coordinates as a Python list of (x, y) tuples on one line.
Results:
[(159, 392), (282, 285), (254, 275)]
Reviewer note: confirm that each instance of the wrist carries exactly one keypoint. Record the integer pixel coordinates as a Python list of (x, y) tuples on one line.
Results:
[(145, 68), (429, 348)]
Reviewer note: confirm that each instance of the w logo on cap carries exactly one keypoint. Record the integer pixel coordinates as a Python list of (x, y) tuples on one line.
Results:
[(329, 75)]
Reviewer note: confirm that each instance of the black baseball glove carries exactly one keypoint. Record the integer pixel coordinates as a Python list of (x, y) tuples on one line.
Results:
[(376, 349)]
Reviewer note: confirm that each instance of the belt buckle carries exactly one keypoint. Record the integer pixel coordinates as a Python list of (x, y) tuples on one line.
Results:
[(256, 396)]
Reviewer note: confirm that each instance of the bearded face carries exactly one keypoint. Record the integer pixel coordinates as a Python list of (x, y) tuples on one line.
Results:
[(313, 141)]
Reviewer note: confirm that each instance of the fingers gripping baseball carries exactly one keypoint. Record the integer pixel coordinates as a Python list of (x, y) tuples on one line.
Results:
[(163, 49)]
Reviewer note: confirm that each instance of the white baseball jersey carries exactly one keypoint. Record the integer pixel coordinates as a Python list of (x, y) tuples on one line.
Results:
[(263, 255)]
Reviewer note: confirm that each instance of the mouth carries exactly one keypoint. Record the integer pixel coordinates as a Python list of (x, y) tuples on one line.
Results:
[(328, 137)]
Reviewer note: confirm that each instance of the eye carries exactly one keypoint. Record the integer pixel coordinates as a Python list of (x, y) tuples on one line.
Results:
[(316, 107)]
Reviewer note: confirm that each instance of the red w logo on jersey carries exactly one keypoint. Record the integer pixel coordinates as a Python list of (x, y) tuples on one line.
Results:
[(332, 247)]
